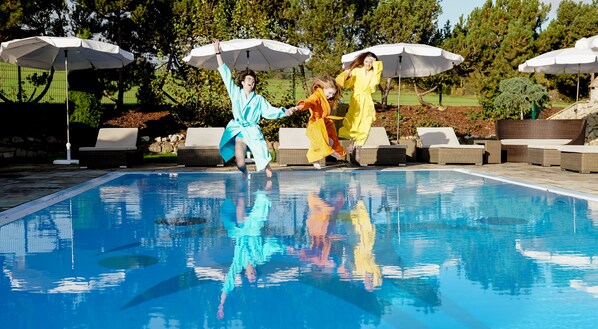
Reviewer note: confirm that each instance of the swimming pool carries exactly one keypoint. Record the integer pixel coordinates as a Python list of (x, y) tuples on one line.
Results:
[(307, 249)]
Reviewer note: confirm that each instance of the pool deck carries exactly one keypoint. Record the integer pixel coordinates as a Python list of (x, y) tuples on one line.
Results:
[(26, 182)]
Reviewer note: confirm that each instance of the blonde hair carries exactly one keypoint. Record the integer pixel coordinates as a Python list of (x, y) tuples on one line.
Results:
[(327, 82)]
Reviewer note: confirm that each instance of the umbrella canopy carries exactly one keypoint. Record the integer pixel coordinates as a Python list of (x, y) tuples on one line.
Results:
[(408, 60), (255, 54), (563, 61), (46, 52), (567, 60), (64, 53), (591, 43)]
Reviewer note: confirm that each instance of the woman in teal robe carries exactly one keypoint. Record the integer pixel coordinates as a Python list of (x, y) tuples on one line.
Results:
[(248, 108)]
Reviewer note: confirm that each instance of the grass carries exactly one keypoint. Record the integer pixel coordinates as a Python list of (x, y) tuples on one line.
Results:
[(160, 158), (279, 91)]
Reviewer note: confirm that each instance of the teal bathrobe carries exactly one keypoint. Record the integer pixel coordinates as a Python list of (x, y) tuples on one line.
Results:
[(247, 111), (251, 247)]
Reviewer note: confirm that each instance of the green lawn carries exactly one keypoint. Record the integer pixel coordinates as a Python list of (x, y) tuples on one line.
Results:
[(278, 90)]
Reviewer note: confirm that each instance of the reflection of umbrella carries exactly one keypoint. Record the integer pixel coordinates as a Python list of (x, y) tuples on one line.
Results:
[(64, 53), (409, 61), (568, 60), (255, 54)]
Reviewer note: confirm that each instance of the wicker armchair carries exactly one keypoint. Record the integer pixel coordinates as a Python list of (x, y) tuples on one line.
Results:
[(293, 146), (440, 145), (115, 147), (377, 150), (202, 148)]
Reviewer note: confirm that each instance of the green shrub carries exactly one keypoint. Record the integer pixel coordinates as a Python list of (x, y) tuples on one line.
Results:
[(86, 108), (517, 96)]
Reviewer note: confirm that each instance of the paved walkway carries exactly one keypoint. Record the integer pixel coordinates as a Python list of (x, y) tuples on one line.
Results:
[(23, 183)]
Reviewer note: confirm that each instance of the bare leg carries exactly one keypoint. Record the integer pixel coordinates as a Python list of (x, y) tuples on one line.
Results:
[(357, 153), (240, 150), (268, 171)]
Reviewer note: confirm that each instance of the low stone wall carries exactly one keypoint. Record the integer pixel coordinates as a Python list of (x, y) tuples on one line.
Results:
[(587, 110)]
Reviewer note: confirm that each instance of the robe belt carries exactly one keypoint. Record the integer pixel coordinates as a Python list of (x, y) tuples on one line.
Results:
[(243, 123)]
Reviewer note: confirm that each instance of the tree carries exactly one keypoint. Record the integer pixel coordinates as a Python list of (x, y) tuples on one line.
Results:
[(518, 96), (395, 21), (574, 20), (26, 18), (494, 40)]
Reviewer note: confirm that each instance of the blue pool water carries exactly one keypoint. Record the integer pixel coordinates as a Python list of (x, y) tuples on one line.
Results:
[(345, 249)]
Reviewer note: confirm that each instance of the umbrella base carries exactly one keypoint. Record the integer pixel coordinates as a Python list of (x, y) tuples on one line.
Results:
[(66, 162)]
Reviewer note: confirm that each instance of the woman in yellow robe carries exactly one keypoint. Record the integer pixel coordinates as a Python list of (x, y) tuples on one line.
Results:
[(321, 130), (363, 75)]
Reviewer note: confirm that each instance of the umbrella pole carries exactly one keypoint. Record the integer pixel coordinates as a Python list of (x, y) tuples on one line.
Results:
[(66, 80), (577, 93), (68, 135), (399, 100)]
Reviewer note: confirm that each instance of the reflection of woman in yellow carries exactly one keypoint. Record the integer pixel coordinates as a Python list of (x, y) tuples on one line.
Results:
[(365, 262), (365, 266), (363, 75), (251, 248)]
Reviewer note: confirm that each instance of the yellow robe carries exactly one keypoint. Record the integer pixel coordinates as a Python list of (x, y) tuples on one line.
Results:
[(365, 261), (361, 113), (320, 127)]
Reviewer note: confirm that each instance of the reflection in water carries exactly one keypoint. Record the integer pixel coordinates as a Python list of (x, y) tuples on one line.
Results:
[(429, 249), (244, 223), (365, 266)]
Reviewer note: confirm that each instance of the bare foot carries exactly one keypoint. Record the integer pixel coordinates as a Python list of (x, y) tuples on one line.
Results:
[(268, 172), (317, 165)]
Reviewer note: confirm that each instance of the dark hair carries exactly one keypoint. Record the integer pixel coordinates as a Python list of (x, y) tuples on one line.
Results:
[(241, 76), (358, 61)]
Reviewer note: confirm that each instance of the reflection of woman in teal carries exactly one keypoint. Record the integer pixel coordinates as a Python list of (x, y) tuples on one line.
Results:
[(244, 226)]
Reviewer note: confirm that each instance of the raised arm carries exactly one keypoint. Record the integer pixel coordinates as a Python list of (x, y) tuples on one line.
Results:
[(218, 51)]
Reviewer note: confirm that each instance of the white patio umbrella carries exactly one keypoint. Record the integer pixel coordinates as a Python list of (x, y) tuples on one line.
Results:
[(64, 53), (590, 42), (564, 61), (408, 60), (255, 54)]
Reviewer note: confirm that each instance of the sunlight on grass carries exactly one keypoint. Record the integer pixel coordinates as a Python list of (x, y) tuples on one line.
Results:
[(278, 91)]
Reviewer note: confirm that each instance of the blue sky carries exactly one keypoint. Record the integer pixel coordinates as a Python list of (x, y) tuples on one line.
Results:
[(452, 9)]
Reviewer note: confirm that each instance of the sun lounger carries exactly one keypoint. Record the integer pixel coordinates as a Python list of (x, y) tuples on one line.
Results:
[(441, 145), (377, 150), (202, 147), (293, 146), (580, 158), (115, 147)]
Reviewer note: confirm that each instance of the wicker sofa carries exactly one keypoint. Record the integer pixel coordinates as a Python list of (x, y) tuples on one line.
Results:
[(516, 135)]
